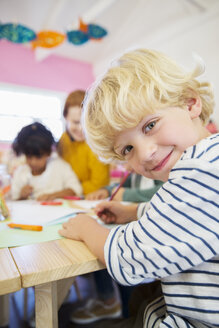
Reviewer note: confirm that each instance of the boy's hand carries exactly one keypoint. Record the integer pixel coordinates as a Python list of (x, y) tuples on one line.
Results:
[(97, 195), (84, 228), (115, 212), (74, 228), (57, 194), (26, 191)]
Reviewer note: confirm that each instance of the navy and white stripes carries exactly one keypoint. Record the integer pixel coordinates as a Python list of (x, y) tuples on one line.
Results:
[(176, 239)]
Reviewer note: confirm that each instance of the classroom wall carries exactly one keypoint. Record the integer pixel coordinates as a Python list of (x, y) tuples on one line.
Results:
[(197, 36), (18, 65), (176, 35)]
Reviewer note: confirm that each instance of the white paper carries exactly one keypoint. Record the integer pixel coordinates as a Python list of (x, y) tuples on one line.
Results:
[(87, 204), (31, 212)]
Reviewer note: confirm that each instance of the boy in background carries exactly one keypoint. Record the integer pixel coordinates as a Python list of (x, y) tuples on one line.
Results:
[(44, 176)]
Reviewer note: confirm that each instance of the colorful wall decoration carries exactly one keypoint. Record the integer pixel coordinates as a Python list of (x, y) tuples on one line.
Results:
[(19, 33)]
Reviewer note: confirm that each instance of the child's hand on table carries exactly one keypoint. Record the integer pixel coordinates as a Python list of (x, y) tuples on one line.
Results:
[(115, 212), (46, 197), (84, 228), (52, 196), (58, 194), (76, 228)]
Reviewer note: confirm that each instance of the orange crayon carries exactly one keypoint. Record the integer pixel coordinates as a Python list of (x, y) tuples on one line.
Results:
[(25, 226)]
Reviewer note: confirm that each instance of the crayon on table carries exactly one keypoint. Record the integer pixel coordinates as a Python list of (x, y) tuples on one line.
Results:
[(51, 202), (25, 226)]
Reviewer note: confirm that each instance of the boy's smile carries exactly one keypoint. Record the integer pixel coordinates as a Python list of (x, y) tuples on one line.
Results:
[(162, 163), (154, 146)]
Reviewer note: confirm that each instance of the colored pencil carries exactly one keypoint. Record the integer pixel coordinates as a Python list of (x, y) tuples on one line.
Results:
[(120, 185), (115, 192)]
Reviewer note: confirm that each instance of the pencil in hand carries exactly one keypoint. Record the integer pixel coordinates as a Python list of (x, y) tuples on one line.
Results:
[(120, 185), (115, 192)]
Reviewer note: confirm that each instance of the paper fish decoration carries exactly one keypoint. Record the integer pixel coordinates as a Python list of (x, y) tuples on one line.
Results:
[(82, 26), (77, 37), (85, 33), (16, 33), (96, 32), (48, 39)]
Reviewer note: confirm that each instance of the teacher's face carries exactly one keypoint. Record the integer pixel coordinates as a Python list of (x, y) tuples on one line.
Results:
[(73, 123)]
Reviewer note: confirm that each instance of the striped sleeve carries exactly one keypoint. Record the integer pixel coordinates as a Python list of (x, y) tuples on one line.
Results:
[(142, 208), (180, 230)]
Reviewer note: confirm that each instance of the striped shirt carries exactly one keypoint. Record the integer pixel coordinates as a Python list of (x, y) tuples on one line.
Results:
[(176, 240)]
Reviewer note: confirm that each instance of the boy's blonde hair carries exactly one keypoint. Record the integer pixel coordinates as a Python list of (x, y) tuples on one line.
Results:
[(139, 83)]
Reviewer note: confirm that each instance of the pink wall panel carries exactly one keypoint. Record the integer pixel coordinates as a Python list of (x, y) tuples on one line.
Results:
[(19, 66)]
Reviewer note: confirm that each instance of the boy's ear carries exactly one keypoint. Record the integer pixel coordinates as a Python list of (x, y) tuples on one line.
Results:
[(194, 106)]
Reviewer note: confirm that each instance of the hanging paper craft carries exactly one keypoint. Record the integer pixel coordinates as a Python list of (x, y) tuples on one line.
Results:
[(48, 39), (96, 32), (80, 36), (77, 37), (16, 33), (85, 33), (82, 26)]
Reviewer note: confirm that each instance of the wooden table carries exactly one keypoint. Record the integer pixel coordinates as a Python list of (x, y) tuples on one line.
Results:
[(51, 268), (10, 281), (46, 266)]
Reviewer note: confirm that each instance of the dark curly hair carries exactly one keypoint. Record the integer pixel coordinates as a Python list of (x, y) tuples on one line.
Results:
[(33, 140)]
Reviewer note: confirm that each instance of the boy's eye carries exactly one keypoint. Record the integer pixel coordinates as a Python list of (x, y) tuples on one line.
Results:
[(149, 126), (126, 150)]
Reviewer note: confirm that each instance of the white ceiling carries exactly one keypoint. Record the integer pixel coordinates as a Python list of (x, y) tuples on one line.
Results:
[(129, 22)]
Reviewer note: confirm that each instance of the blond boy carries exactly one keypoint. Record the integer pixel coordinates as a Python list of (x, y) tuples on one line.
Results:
[(149, 112)]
